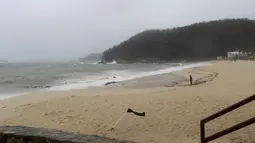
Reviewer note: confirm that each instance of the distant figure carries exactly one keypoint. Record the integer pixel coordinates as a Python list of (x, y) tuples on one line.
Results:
[(114, 77), (190, 79)]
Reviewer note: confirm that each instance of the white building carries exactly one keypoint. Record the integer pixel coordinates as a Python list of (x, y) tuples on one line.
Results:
[(234, 54), (238, 54)]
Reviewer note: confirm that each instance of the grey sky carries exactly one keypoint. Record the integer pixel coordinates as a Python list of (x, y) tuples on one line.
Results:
[(59, 30)]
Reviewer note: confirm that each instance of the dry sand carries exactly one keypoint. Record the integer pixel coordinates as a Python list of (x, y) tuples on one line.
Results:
[(172, 113)]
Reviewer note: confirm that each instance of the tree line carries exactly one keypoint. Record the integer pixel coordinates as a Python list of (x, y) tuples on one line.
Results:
[(199, 41)]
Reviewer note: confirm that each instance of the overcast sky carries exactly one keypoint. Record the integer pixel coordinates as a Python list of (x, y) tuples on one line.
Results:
[(60, 30)]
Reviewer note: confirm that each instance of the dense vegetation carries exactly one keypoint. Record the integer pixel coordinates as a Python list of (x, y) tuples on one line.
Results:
[(200, 41)]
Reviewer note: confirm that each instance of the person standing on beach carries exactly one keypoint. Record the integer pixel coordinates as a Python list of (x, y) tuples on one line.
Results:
[(190, 79)]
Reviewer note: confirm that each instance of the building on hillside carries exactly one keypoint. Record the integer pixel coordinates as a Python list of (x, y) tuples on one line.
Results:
[(238, 55), (234, 54)]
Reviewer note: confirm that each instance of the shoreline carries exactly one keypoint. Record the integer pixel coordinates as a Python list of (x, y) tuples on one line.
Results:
[(124, 83), (172, 113), (172, 79)]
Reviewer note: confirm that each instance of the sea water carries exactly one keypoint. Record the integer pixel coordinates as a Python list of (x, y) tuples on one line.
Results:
[(20, 78)]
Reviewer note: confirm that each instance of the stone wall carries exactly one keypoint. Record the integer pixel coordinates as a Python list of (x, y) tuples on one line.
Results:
[(22, 134)]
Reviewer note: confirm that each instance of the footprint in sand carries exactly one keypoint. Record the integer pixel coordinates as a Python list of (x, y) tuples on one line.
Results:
[(26, 105)]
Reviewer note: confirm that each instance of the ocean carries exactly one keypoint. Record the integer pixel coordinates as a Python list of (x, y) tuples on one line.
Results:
[(20, 78)]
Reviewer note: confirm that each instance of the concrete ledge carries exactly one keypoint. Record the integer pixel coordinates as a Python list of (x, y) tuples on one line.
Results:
[(23, 134)]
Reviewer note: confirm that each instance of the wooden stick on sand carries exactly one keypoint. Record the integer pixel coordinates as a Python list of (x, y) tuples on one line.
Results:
[(118, 121)]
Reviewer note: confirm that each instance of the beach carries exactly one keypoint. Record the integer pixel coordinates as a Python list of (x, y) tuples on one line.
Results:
[(173, 111)]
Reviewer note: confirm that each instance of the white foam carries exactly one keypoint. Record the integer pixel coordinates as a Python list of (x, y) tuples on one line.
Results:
[(7, 96), (162, 71), (90, 62), (100, 80), (98, 62), (94, 63), (113, 62)]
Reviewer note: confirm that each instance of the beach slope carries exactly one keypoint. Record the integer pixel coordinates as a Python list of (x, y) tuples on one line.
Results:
[(172, 113)]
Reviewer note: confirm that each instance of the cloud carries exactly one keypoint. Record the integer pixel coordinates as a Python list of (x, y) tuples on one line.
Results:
[(60, 30)]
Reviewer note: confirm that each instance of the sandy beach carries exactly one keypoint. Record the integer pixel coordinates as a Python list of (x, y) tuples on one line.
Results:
[(172, 111)]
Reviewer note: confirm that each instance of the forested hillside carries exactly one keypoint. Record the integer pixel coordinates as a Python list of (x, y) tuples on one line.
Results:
[(200, 41)]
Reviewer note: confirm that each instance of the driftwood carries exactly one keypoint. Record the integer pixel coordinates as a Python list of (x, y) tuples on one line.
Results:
[(112, 82), (23, 134)]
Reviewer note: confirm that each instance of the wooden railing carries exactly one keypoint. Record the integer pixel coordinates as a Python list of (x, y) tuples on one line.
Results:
[(230, 129)]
